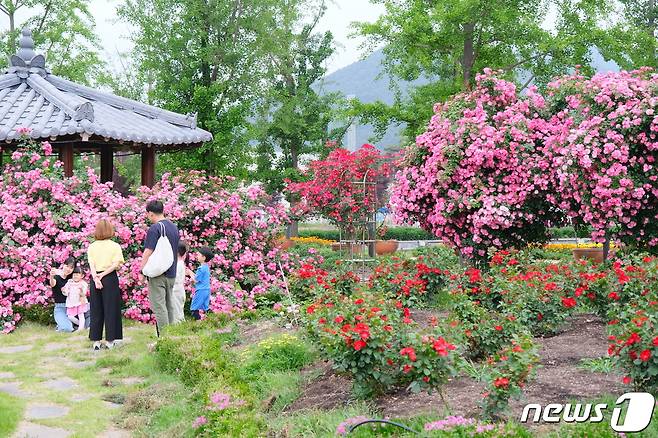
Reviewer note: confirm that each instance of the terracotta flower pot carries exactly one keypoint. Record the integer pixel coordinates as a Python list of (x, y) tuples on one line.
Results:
[(383, 247), (593, 254), (353, 248)]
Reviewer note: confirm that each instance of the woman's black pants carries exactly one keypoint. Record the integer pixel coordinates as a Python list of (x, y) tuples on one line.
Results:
[(105, 307)]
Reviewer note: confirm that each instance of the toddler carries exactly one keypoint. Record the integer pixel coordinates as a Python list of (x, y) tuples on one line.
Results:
[(201, 298), (77, 304)]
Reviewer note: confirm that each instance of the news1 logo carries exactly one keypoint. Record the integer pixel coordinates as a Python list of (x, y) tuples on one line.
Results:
[(638, 412)]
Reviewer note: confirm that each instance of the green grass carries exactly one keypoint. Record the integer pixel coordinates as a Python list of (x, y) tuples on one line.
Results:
[(12, 412), (598, 365)]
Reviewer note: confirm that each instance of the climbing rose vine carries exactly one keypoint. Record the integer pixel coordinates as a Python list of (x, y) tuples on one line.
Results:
[(473, 177), (601, 150), (330, 190), (46, 218)]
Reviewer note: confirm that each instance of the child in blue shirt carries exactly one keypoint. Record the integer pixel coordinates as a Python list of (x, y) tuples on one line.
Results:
[(201, 298)]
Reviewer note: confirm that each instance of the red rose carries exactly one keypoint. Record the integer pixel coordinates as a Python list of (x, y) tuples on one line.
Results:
[(358, 345), (388, 328), (359, 301), (613, 295), (501, 382), (568, 302), (655, 341), (426, 379), (645, 355), (339, 319), (626, 380), (499, 328), (322, 321), (310, 309)]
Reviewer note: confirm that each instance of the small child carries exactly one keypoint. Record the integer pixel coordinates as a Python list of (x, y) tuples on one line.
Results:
[(75, 291), (179, 284), (201, 298)]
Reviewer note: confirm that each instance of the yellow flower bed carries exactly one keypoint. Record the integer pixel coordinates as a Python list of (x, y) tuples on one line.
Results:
[(313, 239), (570, 246)]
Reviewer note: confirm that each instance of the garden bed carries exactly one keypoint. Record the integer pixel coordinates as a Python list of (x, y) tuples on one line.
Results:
[(561, 378)]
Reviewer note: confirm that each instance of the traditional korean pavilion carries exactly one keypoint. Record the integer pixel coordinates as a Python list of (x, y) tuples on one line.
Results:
[(78, 119)]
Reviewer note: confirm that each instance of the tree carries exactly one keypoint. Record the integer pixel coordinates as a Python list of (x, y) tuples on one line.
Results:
[(63, 30), (205, 56), (294, 117), (448, 42), (637, 34)]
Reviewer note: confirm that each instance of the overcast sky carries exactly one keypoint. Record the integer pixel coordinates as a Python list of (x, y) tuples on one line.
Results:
[(340, 13)]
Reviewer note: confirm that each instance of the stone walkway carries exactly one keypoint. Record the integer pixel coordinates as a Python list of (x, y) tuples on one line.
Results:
[(52, 379)]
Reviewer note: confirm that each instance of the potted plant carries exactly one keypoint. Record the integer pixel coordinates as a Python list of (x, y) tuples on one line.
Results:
[(383, 247)]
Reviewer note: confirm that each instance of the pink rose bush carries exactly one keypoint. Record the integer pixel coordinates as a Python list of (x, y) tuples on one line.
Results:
[(494, 169), (600, 153), (46, 218), (472, 177)]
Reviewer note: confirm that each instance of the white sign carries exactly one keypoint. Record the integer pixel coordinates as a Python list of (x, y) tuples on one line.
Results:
[(638, 413)]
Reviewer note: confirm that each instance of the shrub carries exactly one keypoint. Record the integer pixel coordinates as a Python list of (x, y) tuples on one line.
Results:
[(374, 341), (634, 340), (278, 353), (508, 371), (46, 218), (399, 279), (472, 178)]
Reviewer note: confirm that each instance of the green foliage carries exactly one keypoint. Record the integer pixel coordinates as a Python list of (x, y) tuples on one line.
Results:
[(279, 353), (12, 412), (449, 42), (598, 365), (212, 65), (294, 117), (374, 341), (511, 369), (39, 314)]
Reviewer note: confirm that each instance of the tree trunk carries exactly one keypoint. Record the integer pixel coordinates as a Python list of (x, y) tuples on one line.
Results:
[(293, 228), (606, 247), (12, 25), (468, 58), (651, 27)]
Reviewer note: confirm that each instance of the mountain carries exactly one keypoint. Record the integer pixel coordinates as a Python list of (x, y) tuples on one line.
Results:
[(362, 80)]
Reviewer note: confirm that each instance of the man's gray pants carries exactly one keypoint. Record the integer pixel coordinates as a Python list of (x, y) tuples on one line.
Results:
[(161, 296)]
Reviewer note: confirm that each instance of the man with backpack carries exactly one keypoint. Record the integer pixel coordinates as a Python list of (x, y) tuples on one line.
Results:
[(161, 237)]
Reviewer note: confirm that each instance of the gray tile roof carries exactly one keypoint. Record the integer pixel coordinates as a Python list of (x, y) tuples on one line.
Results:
[(32, 97)]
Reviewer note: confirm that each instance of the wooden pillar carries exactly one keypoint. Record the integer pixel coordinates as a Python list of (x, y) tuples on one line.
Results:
[(107, 163), (148, 166), (66, 157)]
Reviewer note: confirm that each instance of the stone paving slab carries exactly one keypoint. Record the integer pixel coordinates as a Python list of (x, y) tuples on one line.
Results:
[(7, 375), (43, 411), (15, 349), (61, 384), (14, 389), (31, 430)]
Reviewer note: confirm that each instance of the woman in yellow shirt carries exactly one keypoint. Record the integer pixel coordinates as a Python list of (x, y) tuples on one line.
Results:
[(104, 257)]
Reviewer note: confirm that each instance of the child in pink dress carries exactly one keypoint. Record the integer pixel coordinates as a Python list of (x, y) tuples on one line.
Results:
[(76, 298)]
